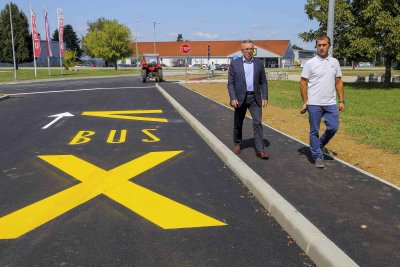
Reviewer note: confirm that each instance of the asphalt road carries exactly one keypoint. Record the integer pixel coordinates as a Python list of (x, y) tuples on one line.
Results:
[(125, 181)]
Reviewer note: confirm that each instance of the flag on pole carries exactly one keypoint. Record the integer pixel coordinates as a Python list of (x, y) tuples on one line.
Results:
[(61, 31), (35, 35), (48, 40)]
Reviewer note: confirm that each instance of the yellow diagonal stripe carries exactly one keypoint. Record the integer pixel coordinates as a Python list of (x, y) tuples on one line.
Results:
[(158, 209), (122, 114), (114, 183), (26, 219)]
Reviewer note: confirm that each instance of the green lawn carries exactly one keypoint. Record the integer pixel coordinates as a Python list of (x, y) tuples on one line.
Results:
[(7, 75), (372, 114)]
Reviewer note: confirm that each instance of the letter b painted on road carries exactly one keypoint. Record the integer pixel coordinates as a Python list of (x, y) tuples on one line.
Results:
[(82, 137)]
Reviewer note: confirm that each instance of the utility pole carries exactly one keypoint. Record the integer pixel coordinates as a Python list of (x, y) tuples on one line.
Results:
[(154, 26), (331, 23), (12, 42), (137, 52)]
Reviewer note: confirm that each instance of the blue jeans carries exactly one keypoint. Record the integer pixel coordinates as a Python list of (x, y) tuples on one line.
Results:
[(331, 118)]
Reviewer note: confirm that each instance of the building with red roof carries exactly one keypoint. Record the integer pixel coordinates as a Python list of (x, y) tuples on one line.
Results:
[(274, 53)]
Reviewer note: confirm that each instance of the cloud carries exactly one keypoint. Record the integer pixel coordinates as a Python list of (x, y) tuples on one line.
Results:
[(256, 26), (173, 34), (205, 35), (232, 34)]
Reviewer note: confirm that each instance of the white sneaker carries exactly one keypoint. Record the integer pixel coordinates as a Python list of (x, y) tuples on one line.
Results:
[(319, 163)]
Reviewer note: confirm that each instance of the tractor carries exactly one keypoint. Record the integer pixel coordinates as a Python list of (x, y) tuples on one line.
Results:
[(151, 68)]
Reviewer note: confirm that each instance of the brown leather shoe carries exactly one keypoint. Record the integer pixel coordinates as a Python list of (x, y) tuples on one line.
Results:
[(236, 149), (262, 155)]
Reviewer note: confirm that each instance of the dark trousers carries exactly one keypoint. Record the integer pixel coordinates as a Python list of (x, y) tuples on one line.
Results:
[(256, 113)]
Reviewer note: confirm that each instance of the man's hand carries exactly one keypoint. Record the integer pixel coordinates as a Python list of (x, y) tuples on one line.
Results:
[(264, 103), (341, 106), (304, 109), (234, 103)]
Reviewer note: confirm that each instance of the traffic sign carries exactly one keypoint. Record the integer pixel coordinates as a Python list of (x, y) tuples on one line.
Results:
[(185, 49)]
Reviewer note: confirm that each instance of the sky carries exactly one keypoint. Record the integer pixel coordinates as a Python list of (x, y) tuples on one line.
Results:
[(196, 20)]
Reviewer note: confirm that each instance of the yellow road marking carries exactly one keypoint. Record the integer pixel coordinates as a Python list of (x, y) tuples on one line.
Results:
[(152, 136), (111, 137), (115, 184), (122, 114)]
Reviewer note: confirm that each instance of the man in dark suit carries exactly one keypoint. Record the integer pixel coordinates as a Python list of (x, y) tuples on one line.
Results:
[(248, 90)]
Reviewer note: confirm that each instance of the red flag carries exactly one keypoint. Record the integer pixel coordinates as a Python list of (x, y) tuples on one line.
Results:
[(61, 31), (35, 36), (48, 40)]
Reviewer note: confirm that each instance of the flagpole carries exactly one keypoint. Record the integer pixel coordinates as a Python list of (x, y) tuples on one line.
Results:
[(33, 41), (59, 42), (12, 42), (48, 44)]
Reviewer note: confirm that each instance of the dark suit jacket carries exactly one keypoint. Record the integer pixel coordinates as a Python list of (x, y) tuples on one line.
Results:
[(237, 81)]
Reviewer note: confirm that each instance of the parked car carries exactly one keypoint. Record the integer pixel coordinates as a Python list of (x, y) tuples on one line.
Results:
[(218, 67), (364, 64), (83, 65), (225, 67)]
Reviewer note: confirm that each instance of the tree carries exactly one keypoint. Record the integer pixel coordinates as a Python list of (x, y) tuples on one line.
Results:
[(96, 25), (363, 29), (22, 38), (69, 58), (297, 47), (71, 40), (110, 42), (179, 38), (55, 36)]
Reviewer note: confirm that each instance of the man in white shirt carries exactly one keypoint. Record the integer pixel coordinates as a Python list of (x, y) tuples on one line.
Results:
[(320, 81), (212, 68)]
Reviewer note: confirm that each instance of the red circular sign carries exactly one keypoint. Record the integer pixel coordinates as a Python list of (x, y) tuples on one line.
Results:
[(185, 49)]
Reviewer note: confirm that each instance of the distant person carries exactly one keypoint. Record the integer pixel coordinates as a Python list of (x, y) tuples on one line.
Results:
[(212, 68), (248, 90), (320, 81)]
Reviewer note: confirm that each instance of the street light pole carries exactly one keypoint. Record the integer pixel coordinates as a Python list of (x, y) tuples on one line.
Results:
[(154, 26), (137, 52), (331, 23), (12, 42)]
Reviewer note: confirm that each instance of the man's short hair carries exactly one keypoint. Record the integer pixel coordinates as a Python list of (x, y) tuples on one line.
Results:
[(248, 41), (322, 37)]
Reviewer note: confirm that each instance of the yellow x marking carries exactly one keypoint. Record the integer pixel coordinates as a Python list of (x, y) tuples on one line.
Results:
[(123, 114), (115, 184)]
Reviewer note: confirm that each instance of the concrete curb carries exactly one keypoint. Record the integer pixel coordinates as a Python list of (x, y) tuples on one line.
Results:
[(3, 97), (317, 246)]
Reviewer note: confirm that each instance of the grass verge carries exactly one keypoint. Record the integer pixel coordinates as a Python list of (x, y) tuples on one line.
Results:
[(7, 75)]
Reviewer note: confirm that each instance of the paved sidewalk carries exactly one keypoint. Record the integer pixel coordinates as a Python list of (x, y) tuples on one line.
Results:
[(360, 214)]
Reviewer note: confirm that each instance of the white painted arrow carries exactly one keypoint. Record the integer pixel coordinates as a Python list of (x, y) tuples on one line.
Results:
[(58, 117)]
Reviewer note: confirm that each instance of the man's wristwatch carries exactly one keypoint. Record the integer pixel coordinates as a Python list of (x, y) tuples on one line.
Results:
[(341, 101)]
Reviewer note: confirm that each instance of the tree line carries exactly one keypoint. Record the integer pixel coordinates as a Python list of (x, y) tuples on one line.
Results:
[(106, 39), (364, 29)]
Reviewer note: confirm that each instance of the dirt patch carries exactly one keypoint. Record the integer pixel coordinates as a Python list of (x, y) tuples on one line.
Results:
[(378, 162)]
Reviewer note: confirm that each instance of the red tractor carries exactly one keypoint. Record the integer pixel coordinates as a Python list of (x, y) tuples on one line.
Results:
[(151, 68)]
